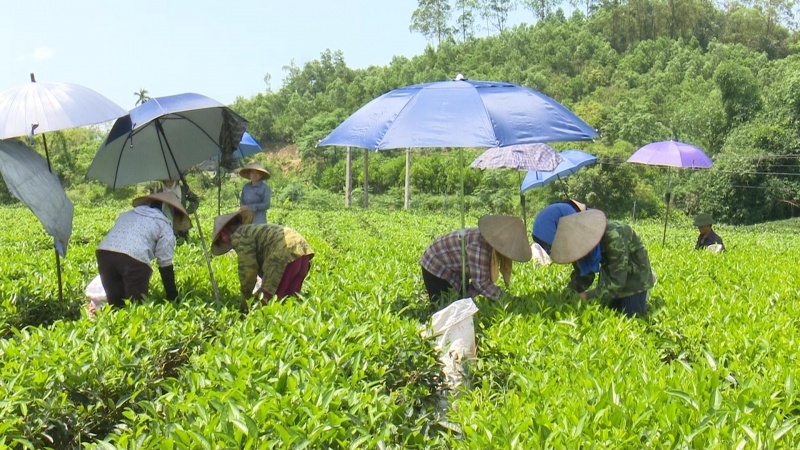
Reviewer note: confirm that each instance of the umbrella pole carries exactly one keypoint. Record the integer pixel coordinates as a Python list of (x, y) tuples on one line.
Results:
[(203, 243), (208, 258), (666, 217), (196, 217), (58, 257), (563, 186), (219, 188), (463, 227), (522, 201)]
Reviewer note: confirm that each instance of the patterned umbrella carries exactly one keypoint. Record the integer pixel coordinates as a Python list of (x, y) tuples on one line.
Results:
[(520, 157)]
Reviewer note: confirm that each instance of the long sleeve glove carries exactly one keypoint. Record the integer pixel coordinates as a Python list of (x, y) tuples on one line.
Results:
[(168, 278)]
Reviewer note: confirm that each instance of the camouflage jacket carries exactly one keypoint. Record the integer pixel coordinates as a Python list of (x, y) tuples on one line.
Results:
[(265, 250), (624, 266)]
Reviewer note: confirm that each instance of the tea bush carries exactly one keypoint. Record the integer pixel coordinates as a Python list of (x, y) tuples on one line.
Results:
[(713, 365)]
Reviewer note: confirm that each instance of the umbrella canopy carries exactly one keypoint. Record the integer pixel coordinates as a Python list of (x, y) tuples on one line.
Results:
[(571, 161), (164, 137), (519, 157), (672, 154), (459, 113), (29, 179), (38, 107), (247, 146)]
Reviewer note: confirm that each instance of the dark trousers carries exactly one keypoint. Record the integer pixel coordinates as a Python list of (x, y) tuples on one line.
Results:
[(122, 276), (293, 277), (632, 305), (437, 286)]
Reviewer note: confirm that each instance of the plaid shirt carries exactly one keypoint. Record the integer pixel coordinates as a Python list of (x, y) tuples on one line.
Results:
[(443, 259)]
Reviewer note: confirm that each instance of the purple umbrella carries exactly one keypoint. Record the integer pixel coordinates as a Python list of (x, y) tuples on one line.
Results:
[(671, 154), (520, 157)]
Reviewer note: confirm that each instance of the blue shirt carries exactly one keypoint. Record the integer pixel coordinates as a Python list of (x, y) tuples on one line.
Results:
[(258, 199)]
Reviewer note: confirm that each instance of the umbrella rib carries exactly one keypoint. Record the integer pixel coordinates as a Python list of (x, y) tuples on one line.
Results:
[(119, 159)]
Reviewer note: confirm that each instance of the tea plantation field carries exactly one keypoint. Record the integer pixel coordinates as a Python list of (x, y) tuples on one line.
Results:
[(714, 365)]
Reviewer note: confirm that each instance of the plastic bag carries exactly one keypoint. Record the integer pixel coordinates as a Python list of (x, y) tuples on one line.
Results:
[(454, 331), (540, 256), (96, 294)]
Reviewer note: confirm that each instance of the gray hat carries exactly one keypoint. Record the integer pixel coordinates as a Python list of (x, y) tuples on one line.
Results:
[(703, 219)]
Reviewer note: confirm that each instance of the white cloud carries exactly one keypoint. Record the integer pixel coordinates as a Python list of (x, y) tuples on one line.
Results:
[(42, 53)]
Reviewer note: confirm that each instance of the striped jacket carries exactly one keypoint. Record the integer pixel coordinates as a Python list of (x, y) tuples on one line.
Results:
[(265, 250)]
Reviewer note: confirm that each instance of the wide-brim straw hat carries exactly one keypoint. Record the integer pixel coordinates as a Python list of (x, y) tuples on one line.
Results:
[(218, 247), (164, 197), (577, 234), (703, 219), (244, 171), (507, 235)]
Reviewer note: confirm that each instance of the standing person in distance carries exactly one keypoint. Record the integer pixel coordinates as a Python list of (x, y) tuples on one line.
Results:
[(138, 236), (256, 195)]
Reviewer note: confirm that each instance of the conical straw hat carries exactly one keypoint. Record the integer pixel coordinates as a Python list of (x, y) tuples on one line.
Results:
[(507, 235), (218, 247), (164, 197), (243, 172), (577, 235)]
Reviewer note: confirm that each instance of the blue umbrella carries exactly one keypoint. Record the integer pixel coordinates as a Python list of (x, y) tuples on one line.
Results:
[(247, 146), (459, 113), (572, 160)]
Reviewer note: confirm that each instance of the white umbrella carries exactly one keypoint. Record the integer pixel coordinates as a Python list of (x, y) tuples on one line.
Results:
[(36, 108)]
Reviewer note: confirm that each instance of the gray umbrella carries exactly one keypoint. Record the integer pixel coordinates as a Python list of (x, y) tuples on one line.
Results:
[(28, 178)]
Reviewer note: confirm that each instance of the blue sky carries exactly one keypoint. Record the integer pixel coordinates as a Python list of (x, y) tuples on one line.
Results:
[(220, 48)]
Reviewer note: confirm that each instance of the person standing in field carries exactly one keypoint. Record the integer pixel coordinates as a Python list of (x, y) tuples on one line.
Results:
[(137, 237), (707, 237), (490, 251), (277, 254), (610, 251), (256, 195)]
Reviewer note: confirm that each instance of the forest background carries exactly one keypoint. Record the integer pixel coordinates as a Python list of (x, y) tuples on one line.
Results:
[(723, 76)]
